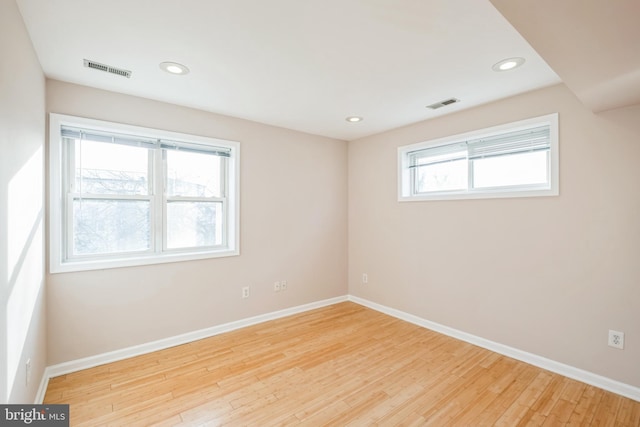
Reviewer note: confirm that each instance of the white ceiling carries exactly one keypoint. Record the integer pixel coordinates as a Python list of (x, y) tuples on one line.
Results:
[(299, 64)]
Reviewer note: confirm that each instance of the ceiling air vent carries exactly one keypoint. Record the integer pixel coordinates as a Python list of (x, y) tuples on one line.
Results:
[(443, 103), (107, 68)]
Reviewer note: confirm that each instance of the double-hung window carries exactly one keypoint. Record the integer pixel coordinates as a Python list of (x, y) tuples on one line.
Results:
[(124, 195), (515, 160)]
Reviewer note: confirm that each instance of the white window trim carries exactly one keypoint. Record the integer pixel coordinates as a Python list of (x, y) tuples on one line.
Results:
[(57, 258), (404, 176)]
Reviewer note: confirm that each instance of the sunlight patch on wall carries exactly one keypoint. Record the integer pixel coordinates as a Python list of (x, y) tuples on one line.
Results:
[(22, 301), (25, 248), (24, 209)]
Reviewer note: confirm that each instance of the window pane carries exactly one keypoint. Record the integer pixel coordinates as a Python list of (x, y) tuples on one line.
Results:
[(446, 176), (194, 224), (110, 226), (193, 174), (516, 169), (103, 168)]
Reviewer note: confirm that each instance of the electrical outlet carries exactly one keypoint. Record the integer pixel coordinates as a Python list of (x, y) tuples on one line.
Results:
[(245, 292), (616, 339), (276, 286), (27, 370), (283, 285), (365, 278)]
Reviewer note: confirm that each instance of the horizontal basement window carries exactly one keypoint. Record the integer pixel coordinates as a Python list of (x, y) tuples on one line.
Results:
[(514, 160)]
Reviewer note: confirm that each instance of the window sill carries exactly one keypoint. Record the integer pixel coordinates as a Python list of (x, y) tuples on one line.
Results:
[(485, 194), (88, 265)]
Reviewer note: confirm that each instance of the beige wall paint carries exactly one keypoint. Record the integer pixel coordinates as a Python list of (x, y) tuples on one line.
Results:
[(22, 308), (592, 45), (293, 212), (548, 275)]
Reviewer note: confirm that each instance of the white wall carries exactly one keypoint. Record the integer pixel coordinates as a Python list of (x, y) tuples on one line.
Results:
[(293, 210), (548, 275), (22, 309)]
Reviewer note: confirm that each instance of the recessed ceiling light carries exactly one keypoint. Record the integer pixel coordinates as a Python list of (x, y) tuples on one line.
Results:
[(508, 64), (174, 68), (354, 119)]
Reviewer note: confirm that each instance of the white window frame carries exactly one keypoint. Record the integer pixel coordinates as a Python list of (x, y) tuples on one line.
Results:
[(406, 191), (59, 219)]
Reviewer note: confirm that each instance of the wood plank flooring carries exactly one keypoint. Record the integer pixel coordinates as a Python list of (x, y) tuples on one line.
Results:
[(342, 365)]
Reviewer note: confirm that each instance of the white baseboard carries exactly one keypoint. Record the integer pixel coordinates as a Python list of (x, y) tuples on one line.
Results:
[(42, 389), (125, 353), (587, 377), (533, 359)]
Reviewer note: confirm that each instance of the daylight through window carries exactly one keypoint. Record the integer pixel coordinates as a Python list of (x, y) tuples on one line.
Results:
[(129, 196), (515, 160)]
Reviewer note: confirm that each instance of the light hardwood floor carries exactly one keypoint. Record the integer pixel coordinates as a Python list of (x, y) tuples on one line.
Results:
[(339, 365)]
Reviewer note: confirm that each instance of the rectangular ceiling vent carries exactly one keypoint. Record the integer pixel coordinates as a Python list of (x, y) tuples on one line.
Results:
[(107, 68), (443, 103)]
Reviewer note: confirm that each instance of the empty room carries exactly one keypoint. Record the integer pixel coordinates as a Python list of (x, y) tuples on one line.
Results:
[(305, 212)]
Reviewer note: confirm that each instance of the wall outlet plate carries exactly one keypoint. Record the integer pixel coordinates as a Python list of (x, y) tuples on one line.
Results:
[(616, 339), (27, 371)]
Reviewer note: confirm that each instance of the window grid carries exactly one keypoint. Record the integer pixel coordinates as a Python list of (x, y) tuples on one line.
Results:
[(419, 179), (216, 214)]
